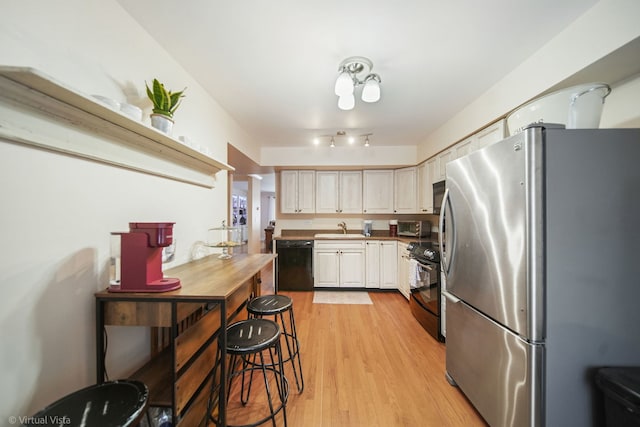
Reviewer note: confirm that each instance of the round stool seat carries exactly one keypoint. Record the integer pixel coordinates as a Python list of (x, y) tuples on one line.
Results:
[(252, 336), (277, 305), (114, 403), (269, 304), (249, 343)]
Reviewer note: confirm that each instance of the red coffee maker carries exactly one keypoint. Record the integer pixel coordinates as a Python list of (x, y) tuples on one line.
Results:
[(136, 258)]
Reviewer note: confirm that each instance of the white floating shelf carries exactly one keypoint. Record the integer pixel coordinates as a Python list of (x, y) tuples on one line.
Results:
[(39, 111)]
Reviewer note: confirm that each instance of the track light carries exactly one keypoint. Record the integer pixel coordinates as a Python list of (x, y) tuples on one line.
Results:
[(348, 80), (342, 138)]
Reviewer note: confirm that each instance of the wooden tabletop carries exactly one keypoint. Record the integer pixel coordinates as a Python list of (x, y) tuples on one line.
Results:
[(207, 278)]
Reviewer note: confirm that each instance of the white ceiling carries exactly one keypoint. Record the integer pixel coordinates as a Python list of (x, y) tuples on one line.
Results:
[(272, 64)]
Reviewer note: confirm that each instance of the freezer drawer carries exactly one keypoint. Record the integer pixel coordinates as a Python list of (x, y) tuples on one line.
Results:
[(499, 372)]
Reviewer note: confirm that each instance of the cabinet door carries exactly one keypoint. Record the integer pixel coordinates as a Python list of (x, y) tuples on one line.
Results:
[(352, 268), (289, 191), (372, 263), (463, 148), (388, 264), (377, 191), (326, 268), (350, 192), (491, 134), (444, 158), (306, 191), (405, 190), (403, 270), (426, 178), (327, 191)]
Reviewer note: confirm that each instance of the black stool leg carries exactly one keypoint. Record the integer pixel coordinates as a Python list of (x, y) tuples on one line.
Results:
[(245, 399), (281, 381), (213, 391), (293, 348)]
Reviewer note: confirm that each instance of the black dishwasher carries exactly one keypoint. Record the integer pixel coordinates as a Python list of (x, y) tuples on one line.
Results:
[(294, 265)]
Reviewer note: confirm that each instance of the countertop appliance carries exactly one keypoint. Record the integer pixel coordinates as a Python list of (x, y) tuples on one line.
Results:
[(414, 228), (542, 272), (136, 258), (425, 287), (294, 265)]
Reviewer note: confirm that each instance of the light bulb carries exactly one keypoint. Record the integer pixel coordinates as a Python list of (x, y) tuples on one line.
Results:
[(333, 144), (366, 142), (346, 102), (344, 84), (351, 140), (371, 90)]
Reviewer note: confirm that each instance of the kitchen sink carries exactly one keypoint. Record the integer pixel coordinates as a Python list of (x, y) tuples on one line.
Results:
[(338, 236)]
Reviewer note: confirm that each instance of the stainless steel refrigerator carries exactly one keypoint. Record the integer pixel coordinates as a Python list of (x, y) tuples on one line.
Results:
[(542, 264)]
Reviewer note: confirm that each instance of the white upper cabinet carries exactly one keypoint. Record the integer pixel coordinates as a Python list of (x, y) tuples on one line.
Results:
[(426, 177), (297, 193), (338, 192), (491, 134), (377, 192), (444, 158), (405, 191), (463, 148)]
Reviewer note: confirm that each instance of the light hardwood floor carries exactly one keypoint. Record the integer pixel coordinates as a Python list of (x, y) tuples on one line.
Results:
[(366, 365)]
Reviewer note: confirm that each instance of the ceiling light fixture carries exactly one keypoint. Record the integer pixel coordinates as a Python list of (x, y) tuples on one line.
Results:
[(350, 69), (343, 139)]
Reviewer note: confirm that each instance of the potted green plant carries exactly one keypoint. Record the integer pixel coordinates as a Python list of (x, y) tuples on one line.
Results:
[(165, 104)]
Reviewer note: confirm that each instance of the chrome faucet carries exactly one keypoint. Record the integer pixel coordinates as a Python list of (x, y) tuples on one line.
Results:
[(343, 226)]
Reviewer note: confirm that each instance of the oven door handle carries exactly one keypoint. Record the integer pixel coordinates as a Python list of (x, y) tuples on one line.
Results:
[(454, 299), (425, 266)]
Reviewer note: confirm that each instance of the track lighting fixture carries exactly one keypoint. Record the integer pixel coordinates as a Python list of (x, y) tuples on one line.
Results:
[(342, 138)]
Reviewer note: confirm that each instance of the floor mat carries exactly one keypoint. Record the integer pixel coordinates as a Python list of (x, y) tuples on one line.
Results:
[(341, 297)]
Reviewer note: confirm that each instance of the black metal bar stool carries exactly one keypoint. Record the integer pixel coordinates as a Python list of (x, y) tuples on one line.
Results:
[(247, 343), (114, 403), (277, 305)]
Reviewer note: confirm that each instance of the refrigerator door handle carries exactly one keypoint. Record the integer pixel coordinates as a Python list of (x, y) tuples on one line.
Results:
[(443, 259)]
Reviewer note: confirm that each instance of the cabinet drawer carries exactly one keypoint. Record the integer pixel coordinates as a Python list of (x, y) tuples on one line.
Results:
[(141, 313), (338, 244), (239, 298)]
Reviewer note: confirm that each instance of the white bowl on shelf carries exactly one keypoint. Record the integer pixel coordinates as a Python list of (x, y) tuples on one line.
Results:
[(112, 103), (576, 107), (131, 110)]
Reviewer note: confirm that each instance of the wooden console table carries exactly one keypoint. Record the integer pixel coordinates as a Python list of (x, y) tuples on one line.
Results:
[(185, 325)]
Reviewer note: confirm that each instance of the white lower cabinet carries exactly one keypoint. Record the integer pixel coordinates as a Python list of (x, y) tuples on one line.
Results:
[(339, 264), (381, 264), (372, 263), (388, 264), (403, 270)]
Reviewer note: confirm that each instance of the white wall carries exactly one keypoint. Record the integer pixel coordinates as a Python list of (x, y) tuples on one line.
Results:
[(339, 156), (57, 211), (609, 25)]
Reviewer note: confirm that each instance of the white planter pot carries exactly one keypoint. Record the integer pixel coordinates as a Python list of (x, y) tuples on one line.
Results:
[(162, 123)]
